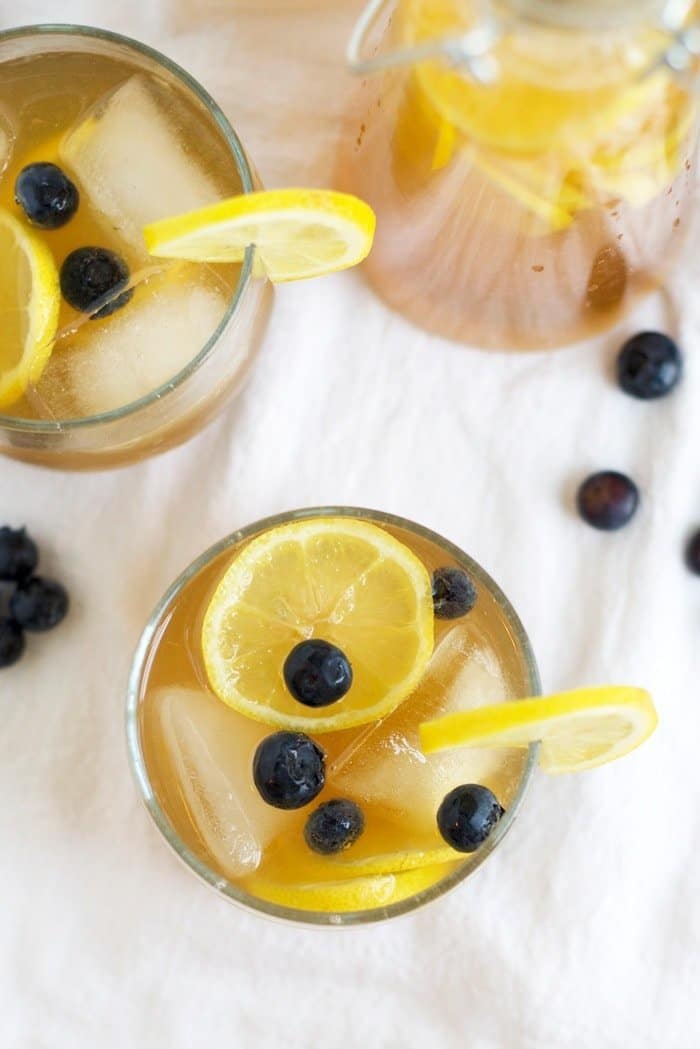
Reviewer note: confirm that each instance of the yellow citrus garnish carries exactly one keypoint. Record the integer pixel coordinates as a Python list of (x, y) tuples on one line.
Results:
[(578, 730), (397, 862), (351, 894), (298, 233), (30, 300), (340, 579)]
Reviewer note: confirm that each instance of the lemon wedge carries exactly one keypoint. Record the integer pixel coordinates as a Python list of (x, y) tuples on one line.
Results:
[(336, 578), (351, 894), (298, 233), (30, 300), (578, 730)]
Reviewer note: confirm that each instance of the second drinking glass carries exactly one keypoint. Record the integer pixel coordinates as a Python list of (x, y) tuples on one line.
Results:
[(141, 140)]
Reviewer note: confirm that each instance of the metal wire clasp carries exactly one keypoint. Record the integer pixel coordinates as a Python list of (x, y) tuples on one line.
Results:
[(682, 56), (471, 50)]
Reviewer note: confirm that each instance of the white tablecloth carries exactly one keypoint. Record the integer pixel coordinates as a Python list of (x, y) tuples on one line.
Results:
[(583, 930)]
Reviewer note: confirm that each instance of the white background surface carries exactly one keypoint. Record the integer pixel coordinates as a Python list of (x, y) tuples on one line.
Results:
[(583, 930)]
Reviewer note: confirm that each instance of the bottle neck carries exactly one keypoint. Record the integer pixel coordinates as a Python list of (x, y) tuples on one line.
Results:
[(601, 14)]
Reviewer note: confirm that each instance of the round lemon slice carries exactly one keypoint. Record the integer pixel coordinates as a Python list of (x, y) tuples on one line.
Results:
[(30, 300), (298, 233), (335, 578), (578, 730)]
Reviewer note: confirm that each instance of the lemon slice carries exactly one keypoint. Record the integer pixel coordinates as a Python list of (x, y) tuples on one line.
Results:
[(544, 119), (351, 894), (544, 97), (579, 730), (336, 578), (397, 862), (299, 233), (30, 300)]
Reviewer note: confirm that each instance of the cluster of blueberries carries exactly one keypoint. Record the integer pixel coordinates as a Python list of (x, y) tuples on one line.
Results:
[(28, 602), (289, 767), (649, 366), (93, 280)]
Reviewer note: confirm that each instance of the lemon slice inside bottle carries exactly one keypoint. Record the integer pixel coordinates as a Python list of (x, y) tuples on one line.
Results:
[(553, 89), (29, 306), (578, 730), (298, 233), (343, 580), (551, 123)]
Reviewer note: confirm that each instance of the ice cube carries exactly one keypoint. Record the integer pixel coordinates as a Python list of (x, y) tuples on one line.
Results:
[(134, 164), (384, 766), (211, 748), (111, 362)]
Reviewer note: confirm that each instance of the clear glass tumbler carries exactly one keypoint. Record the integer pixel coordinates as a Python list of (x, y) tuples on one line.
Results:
[(182, 402), (168, 661)]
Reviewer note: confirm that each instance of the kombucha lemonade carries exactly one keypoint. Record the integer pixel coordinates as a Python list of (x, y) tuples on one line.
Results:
[(533, 210), (279, 703), (94, 129)]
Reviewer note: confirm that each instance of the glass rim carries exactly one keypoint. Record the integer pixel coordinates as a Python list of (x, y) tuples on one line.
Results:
[(139, 769), (11, 423)]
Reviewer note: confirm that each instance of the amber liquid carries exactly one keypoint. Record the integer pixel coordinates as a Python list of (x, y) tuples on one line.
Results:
[(54, 106), (465, 258), (476, 660)]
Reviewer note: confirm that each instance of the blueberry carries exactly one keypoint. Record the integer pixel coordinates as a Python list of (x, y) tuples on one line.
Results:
[(467, 816), (38, 604), (334, 826), (18, 554), (46, 195), (11, 643), (91, 279), (289, 770), (608, 500), (317, 673), (692, 553), (649, 365), (454, 594)]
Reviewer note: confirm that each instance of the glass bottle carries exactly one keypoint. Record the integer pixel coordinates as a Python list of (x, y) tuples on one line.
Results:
[(531, 162)]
